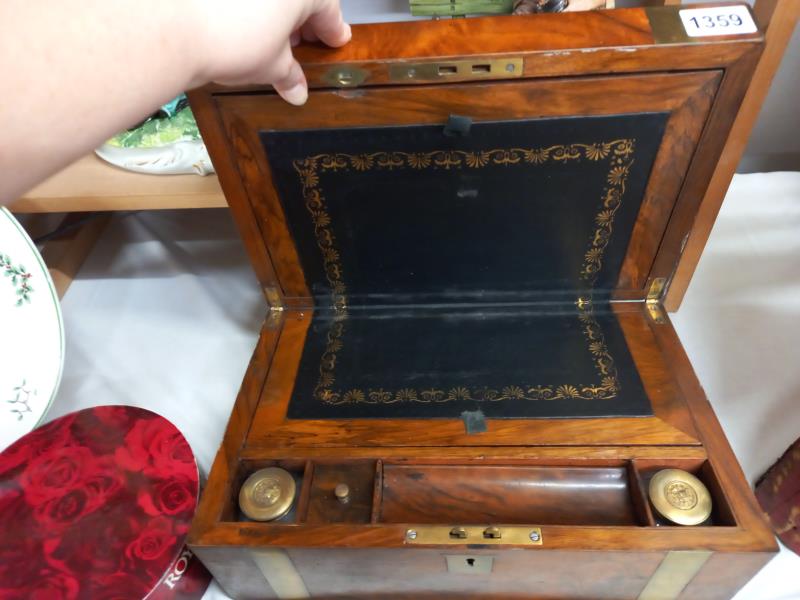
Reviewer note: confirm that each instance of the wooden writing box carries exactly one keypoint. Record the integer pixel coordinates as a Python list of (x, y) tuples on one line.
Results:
[(463, 239)]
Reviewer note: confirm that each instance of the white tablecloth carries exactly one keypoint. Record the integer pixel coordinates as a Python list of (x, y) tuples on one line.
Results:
[(166, 312)]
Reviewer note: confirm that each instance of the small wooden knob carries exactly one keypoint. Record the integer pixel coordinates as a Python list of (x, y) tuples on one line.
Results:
[(342, 493)]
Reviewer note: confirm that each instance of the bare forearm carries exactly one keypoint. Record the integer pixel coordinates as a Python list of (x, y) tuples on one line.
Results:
[(86, 70), (74, 72)]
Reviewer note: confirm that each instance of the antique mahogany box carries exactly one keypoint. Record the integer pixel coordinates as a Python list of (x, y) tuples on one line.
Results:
[(466, 383)]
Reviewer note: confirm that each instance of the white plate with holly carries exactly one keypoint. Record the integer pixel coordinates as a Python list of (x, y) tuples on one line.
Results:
[(31, 333)]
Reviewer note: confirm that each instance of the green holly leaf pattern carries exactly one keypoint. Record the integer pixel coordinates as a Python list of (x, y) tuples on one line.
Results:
[(20, 279)]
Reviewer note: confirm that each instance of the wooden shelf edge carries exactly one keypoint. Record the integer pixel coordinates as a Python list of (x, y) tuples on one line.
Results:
[(117, 203), (90, 184)]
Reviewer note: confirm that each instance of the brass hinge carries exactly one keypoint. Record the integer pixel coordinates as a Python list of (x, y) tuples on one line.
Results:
[(273, 299), (653, 301), (345, 76)]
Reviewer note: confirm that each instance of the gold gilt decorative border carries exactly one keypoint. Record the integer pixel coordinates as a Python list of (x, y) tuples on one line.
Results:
[(620, 156)]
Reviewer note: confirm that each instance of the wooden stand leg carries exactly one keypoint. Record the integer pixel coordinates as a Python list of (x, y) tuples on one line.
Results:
[(65, 254)]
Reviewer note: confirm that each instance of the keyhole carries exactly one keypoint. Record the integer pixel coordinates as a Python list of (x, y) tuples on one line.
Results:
[(471, 562)]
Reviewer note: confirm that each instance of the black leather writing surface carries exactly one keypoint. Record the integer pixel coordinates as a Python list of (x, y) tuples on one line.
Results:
[(430, 255), (437, 362), (512, 206)]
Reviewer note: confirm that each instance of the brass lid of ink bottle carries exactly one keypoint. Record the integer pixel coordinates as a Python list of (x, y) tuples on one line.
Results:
[(680, 497), (267, 494)]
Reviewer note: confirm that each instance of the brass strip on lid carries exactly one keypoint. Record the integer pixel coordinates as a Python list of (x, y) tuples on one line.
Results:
[(674, 573), (282, 576), (666, 25)]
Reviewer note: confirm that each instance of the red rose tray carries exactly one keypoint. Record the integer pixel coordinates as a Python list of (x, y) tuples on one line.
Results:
[(97, 504)]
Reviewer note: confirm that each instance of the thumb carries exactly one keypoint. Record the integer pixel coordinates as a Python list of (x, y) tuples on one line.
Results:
[(291, 82)]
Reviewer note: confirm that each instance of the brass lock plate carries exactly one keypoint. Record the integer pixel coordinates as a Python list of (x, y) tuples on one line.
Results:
[(457, 70), (494, 535)]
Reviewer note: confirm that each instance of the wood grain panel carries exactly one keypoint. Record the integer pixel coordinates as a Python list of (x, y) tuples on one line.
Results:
[(324, 507), (222, 157), (270, 427), (502, 494), (723, 111), (731, 479), (613, 456), (680, 139), (216, 498), (556, 537), (422, 573), (779, 17), (577, 64), (723, 575), (618, 41)]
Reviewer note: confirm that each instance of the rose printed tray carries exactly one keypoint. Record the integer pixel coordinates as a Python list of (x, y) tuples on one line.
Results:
[(97, 504)]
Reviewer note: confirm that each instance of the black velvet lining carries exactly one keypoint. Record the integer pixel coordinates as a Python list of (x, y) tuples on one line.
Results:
[(508, 363), (511, 207), (427, 255)]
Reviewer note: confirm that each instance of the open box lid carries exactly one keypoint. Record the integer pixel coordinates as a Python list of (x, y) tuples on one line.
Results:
[(571, 107), (543, 165)]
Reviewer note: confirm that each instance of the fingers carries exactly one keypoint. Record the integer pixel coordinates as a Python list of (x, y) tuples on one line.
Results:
[(308, 34), (327, 24), (295, 38), (291, 83)]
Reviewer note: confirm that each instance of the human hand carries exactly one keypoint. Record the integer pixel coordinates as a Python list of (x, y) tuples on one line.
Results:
[(250, 41)]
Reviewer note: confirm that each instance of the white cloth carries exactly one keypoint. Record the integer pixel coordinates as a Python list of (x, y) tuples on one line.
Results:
[(166, 312)]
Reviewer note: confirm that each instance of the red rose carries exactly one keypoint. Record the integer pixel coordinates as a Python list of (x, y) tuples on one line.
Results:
[(18, 549), (171, 497), (38, 442), (13, 508), (103, 483), (103, 428), (64, 510), (156, 539), (96, 546), (99, 481), (117, 417), (52, 584), (119, 586), (156, 448), (49, 477)]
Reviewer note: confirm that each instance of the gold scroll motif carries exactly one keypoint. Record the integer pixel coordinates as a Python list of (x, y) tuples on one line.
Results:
[(618, 153)]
